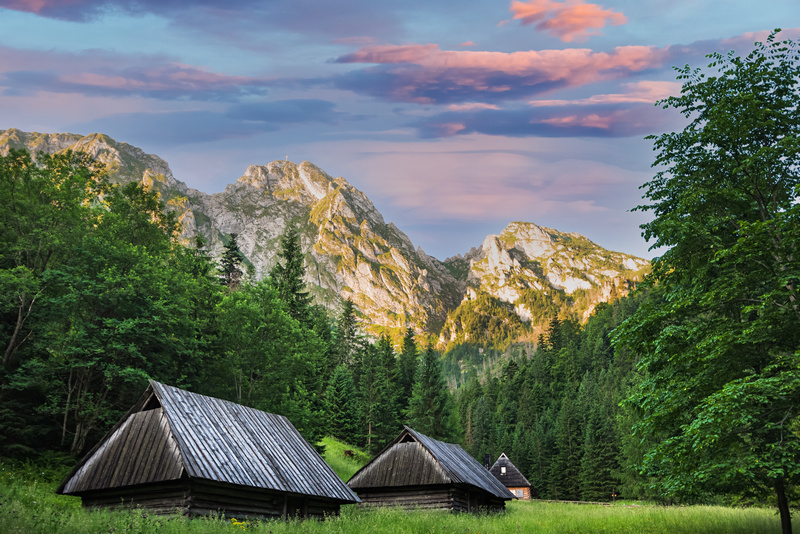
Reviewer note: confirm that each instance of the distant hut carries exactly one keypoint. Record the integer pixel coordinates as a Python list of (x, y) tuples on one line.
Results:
[(508, 474), (417, 471), (176, 451)]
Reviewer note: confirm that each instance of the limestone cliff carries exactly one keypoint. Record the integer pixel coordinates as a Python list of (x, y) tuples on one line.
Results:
[(351, 252), (538, 273)]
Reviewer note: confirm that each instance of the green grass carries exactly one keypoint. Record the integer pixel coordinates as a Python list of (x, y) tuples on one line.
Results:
[(344, 466), (28, 505)]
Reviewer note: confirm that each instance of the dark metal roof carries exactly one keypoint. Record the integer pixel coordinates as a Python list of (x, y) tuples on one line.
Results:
[(512, 478), (225, 442), (140, 450), (415, 459)]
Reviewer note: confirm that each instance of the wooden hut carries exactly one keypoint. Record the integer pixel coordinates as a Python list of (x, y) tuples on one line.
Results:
[(176, 451), (511, 477), (417, 471)]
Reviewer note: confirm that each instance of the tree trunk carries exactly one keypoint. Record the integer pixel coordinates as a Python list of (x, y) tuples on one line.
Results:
[(21, 317), (783, 507)]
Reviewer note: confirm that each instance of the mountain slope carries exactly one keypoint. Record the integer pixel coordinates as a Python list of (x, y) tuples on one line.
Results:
[(529, 274), (352, 252)]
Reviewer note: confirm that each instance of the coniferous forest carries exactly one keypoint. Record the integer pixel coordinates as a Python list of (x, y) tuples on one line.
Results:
[(685, 390)]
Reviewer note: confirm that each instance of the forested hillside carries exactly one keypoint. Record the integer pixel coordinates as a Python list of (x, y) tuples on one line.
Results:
[(100, 295), (556, 410)]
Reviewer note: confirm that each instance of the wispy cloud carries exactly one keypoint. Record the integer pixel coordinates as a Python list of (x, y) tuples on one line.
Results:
[(319, 21), (572, 20), (85, 10), (613, 121), (426, 74), (171, 129), (637, 92), (96, 73), (468, 106)]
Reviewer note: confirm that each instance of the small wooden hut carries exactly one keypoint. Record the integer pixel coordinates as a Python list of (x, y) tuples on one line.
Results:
[(511, 477), (416, 471), (176, 451)]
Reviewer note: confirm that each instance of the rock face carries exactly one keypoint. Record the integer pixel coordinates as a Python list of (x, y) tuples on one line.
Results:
[(351, 251), (528, 266)]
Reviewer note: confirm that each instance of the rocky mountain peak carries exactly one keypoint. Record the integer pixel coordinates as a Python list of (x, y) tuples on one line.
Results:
[(351, 252), (535, 241)]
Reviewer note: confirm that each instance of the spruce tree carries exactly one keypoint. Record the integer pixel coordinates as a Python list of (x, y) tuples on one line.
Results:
[(342, 405), (540, 455), (388, 362), (378, 423), (231, 262), (287, 275), (482, 429), (564, 469), (407, 367), (347, 336), (428, 408), (599, 460)]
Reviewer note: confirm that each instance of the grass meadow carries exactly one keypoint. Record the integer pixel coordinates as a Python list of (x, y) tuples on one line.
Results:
[(28, 505)]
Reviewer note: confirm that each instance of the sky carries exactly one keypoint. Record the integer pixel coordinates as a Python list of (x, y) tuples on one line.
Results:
[(454, 117)]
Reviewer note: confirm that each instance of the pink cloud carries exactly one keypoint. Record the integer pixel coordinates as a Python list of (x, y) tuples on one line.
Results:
[(593, 120), (467, 44), (99, 73), (172, 76), (644, 92), (410, 53), (449, 129), (572, 20), (469, 106), (426, 74), (36, 6), (556, 63)]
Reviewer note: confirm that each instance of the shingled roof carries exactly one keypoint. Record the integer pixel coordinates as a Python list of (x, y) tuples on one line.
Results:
[(512, 478), (415, 459), (171, 434)]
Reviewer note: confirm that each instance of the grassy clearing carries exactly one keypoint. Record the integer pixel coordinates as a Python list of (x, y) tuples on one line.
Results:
[(345, 466), (28, 505)]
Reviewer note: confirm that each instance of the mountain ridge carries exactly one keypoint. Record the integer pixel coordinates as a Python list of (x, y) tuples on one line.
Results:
[(352, 252)]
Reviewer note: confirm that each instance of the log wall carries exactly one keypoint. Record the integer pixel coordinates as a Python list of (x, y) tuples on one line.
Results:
[(202, 498), (449, 498)]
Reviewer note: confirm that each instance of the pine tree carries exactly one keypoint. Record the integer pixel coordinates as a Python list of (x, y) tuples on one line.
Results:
[(287, 277), (599, 460), (231, 262), (341, 404), (428, 409), (347, 335), (407, 367), (564, 469), (540, 455), (378, 422), (394, 414), (482, 429)]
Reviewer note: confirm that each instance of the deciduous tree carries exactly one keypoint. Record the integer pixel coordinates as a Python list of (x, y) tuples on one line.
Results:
[(721, 353)]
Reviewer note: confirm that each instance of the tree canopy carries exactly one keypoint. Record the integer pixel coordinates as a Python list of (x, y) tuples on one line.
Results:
[(720, 348)]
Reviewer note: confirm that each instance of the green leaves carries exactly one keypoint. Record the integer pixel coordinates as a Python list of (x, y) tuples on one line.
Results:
[(719, 352)]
